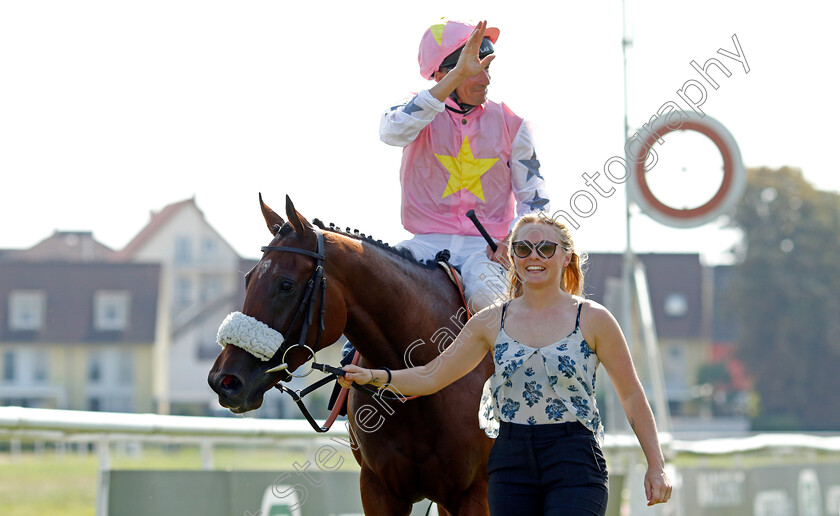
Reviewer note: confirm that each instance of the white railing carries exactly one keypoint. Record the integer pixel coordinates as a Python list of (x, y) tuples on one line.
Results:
[(69, 425), (102, 428), (30, 422)]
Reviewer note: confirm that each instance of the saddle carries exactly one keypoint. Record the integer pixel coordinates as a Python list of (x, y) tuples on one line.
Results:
[(348, 352)]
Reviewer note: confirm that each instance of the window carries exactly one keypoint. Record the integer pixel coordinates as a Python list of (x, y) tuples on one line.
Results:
[(110, 310), (39, 365), (117, 404), (208, 248), (125, 368), (183, 250), (212, 289), (676, 305), (183, 292), (9, 366), (26, 309), (95, 367)]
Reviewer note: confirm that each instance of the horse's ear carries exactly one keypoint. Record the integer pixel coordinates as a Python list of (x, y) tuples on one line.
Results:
[(301, 225), (272, 220)]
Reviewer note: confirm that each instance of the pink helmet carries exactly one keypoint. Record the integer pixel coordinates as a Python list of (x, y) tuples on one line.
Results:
[(440, 40)]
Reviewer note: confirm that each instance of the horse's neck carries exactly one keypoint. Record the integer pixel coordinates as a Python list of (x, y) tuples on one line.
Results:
[(392, 304)]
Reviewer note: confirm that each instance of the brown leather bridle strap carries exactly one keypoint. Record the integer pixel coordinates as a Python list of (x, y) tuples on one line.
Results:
[(316, 284)]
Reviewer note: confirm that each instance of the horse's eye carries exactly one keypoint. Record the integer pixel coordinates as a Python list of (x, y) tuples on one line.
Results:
[(287, 286)]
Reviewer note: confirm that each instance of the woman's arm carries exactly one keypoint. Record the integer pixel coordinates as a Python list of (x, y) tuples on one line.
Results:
[(612, 351), (461, 357)]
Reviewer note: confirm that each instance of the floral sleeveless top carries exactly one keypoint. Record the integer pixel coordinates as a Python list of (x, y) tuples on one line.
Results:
[(551, 384)]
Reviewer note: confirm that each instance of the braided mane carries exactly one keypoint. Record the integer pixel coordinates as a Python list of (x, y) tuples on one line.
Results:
[(405, 254)]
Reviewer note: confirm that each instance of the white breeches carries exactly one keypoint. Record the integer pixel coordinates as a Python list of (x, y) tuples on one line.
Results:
[(485, 281)]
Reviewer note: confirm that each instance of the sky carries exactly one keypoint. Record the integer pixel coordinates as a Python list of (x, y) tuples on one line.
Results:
[(111, 109)]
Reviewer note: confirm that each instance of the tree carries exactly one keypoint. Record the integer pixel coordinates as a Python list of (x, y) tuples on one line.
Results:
[(787, 299)]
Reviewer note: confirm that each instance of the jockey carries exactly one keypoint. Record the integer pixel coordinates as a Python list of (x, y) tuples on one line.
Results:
[(462, 151)]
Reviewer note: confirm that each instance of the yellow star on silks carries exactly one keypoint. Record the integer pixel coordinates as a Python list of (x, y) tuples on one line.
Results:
[(465, 170)]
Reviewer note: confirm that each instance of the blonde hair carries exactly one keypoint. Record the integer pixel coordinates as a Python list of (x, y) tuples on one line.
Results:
[(572, 279)]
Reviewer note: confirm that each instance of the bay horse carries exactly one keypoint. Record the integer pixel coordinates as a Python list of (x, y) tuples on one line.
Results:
[(390, 307)]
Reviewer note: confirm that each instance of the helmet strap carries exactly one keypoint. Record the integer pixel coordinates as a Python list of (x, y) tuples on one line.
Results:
[(465, 108)]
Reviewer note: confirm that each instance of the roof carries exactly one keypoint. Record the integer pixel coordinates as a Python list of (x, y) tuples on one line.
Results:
[(69, 246), (157, 221), (69, 289), (667, 274)]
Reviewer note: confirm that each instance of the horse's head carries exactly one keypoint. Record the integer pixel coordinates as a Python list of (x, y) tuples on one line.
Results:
[(286, 297)]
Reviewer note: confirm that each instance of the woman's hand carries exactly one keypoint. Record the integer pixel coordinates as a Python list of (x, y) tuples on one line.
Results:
[(355, 374), (657, 486)]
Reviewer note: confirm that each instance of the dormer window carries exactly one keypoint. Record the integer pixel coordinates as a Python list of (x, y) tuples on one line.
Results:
[(111, 310), (27, 310)]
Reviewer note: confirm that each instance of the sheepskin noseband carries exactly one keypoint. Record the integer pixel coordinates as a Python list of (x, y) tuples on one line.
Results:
[(255, 337)]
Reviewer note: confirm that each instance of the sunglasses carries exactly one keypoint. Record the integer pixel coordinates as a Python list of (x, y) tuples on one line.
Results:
[(523, 248)]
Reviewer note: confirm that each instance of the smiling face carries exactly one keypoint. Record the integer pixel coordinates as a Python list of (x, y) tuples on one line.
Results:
[(538, 254), (473, 91)]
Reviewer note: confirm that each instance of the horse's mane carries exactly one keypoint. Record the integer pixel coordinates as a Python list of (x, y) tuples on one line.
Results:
[(404, 254)]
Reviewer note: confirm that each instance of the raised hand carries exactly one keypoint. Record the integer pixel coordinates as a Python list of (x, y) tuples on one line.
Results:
[(469, 63)]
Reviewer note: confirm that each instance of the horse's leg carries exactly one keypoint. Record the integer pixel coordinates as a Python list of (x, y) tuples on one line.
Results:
[(473, 501), (378, 499)]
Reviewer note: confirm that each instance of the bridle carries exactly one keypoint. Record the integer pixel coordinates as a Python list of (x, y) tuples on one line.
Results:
[(317, 284)]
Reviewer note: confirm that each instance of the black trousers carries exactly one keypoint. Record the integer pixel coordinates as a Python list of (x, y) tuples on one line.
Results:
[(554, 469)]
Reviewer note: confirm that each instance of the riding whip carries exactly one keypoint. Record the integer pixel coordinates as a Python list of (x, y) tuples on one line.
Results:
[(474, 219)]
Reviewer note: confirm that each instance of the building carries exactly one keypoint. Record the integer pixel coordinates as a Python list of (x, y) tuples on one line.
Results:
[(76, 331), (85, 327), (202, 280), (687, 301), (675, 284)]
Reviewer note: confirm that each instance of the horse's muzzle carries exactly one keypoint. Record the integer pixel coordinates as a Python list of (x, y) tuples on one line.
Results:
[(232, 392)]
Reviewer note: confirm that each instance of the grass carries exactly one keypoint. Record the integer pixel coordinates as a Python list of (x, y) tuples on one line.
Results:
[(48, 484), (64, 484)]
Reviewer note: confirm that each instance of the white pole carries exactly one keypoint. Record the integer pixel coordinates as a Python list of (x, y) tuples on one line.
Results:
[(626, 315), (103, 477)]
